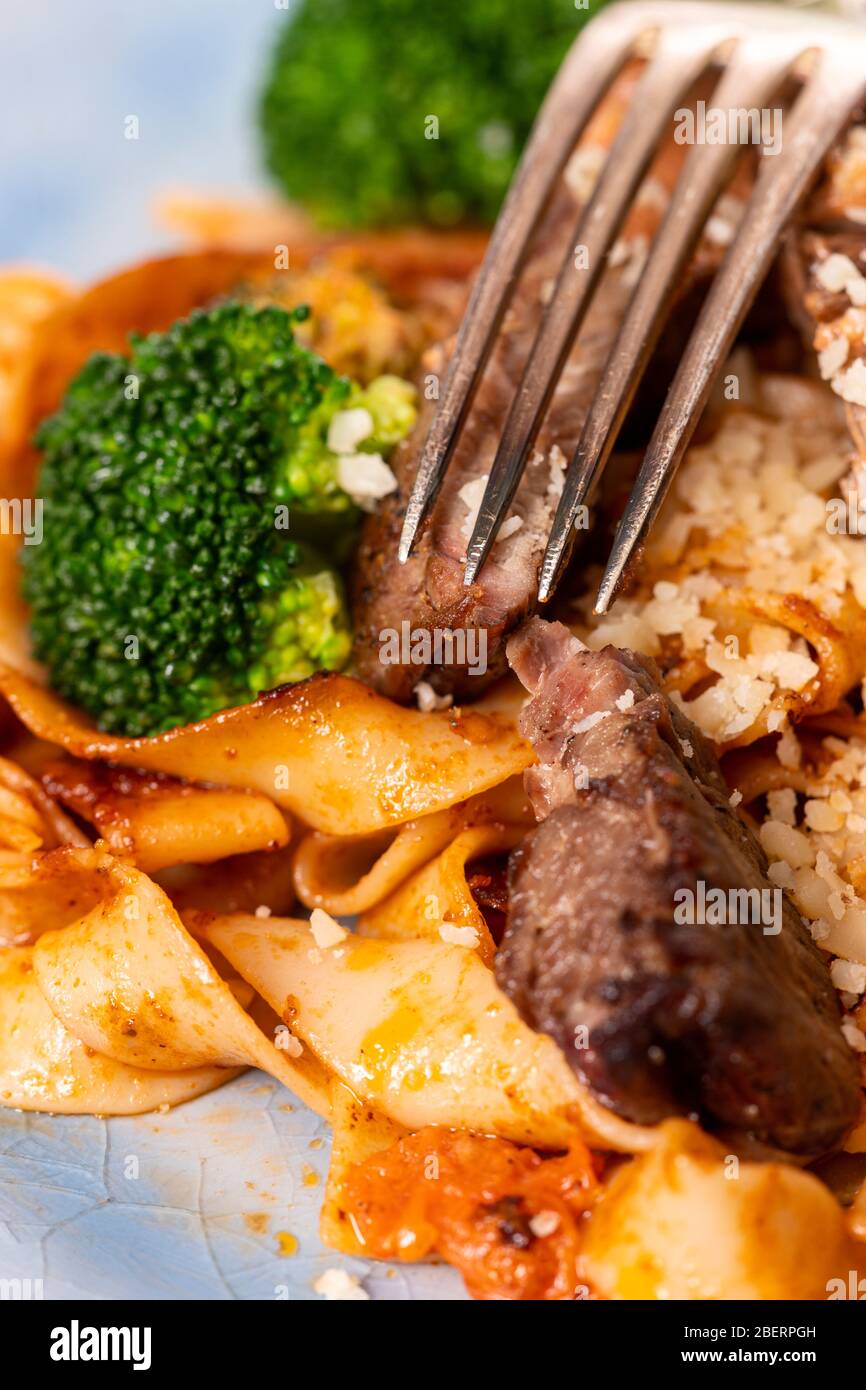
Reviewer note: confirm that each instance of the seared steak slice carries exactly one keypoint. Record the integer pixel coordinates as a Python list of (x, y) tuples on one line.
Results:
[(659, 1016), (428, 592)]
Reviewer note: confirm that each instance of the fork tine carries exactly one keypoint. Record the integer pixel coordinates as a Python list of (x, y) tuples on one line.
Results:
[(816, 121), (589, 69), (747, 82), (672, 71)]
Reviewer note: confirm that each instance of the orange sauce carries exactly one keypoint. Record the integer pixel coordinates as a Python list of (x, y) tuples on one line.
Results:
[(506, 1217)]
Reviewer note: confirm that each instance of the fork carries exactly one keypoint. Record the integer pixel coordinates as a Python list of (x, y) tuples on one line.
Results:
[(757, 48)]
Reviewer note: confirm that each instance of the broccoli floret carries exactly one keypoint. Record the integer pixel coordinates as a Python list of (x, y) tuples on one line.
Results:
[(167, 585), (379, 112), (367, 420)]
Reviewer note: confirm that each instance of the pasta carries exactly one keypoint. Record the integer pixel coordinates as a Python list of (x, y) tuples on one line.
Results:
[(332, 749), (158, 1004), (44, 1067), (428, 1038)]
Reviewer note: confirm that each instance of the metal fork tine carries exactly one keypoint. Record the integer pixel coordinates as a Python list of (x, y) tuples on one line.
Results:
[(818, 117), (671, 72), (748, 82), (588, 71)]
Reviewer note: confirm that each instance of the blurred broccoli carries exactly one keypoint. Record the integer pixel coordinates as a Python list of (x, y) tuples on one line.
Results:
[(380, 112), (166, 586)]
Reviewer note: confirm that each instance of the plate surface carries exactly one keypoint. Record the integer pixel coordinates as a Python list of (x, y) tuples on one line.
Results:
[(189, 1204)]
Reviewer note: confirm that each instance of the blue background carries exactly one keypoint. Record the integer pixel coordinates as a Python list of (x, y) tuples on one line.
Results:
[(74, 193)]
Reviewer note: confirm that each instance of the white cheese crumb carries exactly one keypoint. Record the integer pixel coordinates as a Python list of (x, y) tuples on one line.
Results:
[(326, 932), (582, 170), (427, 700), (366, 477), (854, 1037), (544, 1223), (782, 805), (508, 527), (263, 910), (788, 749), (833, 357), (458, 936), (625, 701), (339, 1286), (851, 383), (735, 798), (470, 495), (557, 463), (781, 875), (688, 750), (719, 231), (665, 590), (348, 428), (288, 1043), (839, 273), (846, 975)]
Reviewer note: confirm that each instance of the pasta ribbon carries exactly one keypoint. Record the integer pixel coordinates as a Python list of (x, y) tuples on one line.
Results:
[(129, 982), (438, 896), (44, 1067), (419, 1031), (346, 875), (156, 821), (338, 756), (775, 1232)]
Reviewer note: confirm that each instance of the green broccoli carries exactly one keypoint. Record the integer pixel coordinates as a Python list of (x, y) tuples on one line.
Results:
[(379, 112), (167, 585)]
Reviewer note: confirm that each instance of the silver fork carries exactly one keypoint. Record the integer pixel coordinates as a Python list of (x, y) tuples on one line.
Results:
[(757, 47)]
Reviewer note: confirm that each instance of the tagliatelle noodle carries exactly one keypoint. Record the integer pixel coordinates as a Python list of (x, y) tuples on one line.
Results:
[(129, 981), (156, 822), (420, 1031), (755, 771), (838, 646), (26, 298), (33, 895), (338, 756), (438, 895), (43, 1067), (348, 875), (775, 1232), (357, 1132), (241, 883)]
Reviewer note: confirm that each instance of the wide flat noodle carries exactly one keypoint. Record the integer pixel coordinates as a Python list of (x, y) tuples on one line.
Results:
[(420, 1031), (358, 1132), (128, 980), (26, 298), (346, 875), (43, 1067), (338, 756), (438, 895), (838, 644), (157, 821), (35, 895), (241, 883), (673, 1225)]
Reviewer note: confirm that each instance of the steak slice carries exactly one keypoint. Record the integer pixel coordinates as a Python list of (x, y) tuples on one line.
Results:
[(427, 594), (736, 1022)]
